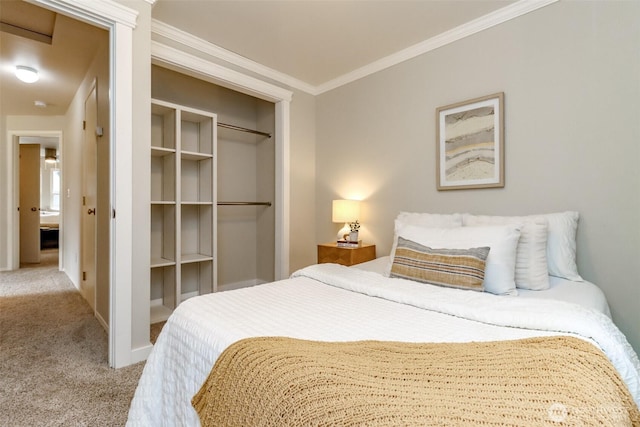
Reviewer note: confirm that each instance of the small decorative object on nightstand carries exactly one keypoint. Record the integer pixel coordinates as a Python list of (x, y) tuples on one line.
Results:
[(331, 252), (346, 212)]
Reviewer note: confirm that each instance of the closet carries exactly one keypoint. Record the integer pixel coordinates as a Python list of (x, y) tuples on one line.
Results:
[(212, 190)]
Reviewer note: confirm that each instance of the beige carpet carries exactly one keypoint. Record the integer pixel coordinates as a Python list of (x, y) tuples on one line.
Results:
[(53, 355)]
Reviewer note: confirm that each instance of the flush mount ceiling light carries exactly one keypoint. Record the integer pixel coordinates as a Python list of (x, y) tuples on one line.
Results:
[(50, 155), (26, 74)]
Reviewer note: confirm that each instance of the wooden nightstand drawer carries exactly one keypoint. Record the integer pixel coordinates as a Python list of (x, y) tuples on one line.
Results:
[(329, 252)]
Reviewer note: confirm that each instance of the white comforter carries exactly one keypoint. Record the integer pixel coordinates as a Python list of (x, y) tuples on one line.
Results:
[(357, 305)]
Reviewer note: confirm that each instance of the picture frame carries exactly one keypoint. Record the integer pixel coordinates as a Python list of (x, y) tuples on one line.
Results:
[(470, 144)]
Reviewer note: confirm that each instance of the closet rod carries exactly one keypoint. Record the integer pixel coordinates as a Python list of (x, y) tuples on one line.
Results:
[(241, 129), (244, 203)]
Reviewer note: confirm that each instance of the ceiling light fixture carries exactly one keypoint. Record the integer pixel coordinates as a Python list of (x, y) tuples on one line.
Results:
[(26, 74), (50, 155), (40, 104)]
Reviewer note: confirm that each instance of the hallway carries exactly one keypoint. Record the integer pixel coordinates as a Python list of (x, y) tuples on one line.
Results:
[(53, 354)]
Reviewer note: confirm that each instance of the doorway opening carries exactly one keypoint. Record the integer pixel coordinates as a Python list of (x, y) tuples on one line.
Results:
[(40, 188)]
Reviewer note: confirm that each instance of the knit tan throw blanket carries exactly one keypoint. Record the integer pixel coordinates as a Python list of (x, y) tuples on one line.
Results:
[(539, 381)]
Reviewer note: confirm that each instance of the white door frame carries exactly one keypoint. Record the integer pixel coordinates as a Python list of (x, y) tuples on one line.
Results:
[(120, 21), (14, 218)]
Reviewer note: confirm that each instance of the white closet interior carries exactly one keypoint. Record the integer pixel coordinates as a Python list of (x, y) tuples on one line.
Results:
[(242, 168)]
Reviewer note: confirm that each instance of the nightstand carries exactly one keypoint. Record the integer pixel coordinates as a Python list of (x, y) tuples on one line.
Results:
[(329, 252)]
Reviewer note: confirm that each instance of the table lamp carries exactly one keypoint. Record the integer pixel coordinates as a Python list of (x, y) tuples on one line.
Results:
[(346, 211)]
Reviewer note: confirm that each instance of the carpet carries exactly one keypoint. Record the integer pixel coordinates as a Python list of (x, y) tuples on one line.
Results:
[(53, 354)]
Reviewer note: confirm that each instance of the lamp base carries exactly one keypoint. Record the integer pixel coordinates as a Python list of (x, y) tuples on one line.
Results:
[(343, 234)]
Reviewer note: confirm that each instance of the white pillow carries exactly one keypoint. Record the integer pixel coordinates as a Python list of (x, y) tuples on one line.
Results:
[(428, 220), (531, 254), (561, 242), (499, 275)]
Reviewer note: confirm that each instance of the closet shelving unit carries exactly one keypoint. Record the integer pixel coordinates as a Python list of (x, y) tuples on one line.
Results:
[(183, 204), (183, 258)]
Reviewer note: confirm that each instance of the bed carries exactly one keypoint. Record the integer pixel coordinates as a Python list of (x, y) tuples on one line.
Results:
[(49, 229), (371, 304)]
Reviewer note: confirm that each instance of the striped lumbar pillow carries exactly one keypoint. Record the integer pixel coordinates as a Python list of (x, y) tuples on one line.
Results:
[(458, 268)]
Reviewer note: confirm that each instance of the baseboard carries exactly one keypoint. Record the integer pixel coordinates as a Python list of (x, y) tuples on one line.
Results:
[(102, 322), (141, 353)]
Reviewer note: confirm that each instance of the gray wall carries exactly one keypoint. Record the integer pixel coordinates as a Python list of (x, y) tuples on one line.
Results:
[(571, 77)]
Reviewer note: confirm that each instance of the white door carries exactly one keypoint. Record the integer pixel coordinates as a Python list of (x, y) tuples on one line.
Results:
[(29, 203), (89, 198)]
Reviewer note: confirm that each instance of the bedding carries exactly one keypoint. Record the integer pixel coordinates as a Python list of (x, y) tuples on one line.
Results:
[(276, 381), (424, 220), (561, 237), (583, 293), (500, 266), (49, 219), (333, 303)]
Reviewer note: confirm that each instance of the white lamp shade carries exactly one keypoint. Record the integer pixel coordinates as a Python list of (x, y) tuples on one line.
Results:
[(345, 210), (27, 74)]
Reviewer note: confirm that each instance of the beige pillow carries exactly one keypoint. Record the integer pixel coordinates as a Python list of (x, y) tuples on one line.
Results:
[(502, 239), (456, 268)]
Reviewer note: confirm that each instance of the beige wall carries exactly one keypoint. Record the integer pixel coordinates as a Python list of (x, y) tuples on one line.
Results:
[(303, 218), (570, 74)]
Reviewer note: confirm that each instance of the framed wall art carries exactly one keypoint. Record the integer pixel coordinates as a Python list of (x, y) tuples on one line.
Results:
[(470, 144)]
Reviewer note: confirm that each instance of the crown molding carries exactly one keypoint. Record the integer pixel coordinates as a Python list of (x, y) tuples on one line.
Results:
[(490, 20), (472, 27), (177, 59), (159, 28), (104, 11)]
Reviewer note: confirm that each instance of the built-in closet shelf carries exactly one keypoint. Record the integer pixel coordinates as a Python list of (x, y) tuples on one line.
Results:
[(183, 220), (161, 151), (161, 262), (195, 156), (159, 313), (188, 258)]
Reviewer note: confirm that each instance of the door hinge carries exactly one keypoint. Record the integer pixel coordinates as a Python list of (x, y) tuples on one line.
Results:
[(113, 213), (84, 275), (84, 201), (84, 125)]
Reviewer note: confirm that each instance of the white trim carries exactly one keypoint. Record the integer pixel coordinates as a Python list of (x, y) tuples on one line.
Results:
[(102, 322), (120, 299), (104, 12), (282, 185), (176, 59), (13, 215), (141, 353), (470, 28), (120, 20), (162, 29), (497, 17)]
